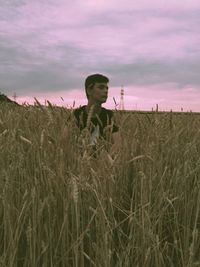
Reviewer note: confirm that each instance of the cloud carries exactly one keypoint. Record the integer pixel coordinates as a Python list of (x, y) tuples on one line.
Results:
[(126, 5), (135, 98), (52, 46)]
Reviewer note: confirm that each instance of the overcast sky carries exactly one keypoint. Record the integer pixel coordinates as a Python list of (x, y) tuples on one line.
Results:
[(151, 47)]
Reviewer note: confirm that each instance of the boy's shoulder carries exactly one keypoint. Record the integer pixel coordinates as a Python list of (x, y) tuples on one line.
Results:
[(79, 108), (77, 111), (107, 112), (82, 108)]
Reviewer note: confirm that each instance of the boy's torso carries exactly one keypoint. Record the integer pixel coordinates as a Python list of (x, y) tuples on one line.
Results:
[(101, 121)]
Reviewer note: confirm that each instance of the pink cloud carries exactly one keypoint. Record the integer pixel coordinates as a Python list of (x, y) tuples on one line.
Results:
[(56, 98), (168, 96), (129, 4), (84, 35), (63, 24)]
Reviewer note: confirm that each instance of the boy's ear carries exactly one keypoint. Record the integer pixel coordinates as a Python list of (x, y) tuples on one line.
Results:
[(89, 89)]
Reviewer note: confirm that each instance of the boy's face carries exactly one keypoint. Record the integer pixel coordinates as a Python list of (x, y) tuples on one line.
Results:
[(98, 92)]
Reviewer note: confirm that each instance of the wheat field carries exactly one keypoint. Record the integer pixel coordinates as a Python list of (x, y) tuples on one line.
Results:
[(59, 206)]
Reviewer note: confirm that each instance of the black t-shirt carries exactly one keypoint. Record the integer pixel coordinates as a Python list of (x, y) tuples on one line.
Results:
[(99, 124)]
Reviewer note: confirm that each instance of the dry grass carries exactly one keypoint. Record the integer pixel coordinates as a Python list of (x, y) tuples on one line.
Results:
[(61, 207)]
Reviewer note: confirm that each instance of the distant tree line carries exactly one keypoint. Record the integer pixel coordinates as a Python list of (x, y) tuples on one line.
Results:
[(5, 99)]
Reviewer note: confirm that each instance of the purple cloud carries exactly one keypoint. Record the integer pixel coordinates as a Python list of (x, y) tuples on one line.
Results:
[(48, 47)]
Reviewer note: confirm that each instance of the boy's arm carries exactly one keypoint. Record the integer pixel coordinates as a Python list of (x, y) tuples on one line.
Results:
[(116, 143), (116, 139)]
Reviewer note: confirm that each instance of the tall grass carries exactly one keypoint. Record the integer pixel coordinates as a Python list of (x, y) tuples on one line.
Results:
[(61, 207)]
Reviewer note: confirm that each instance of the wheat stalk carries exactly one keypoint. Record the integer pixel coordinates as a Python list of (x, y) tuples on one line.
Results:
[(25, 140), (74, 190), (89, 116)]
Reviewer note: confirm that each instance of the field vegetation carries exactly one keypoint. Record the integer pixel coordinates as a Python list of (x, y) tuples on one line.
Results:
[(60, 206)]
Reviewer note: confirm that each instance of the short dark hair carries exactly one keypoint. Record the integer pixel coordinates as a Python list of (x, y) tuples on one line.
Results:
[(95, 78)]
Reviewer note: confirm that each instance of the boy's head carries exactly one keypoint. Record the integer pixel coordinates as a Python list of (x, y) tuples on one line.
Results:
[(91, 80)]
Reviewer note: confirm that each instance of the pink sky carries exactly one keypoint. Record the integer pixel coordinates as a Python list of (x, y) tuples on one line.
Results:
[(138, 98), (151, 47)]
